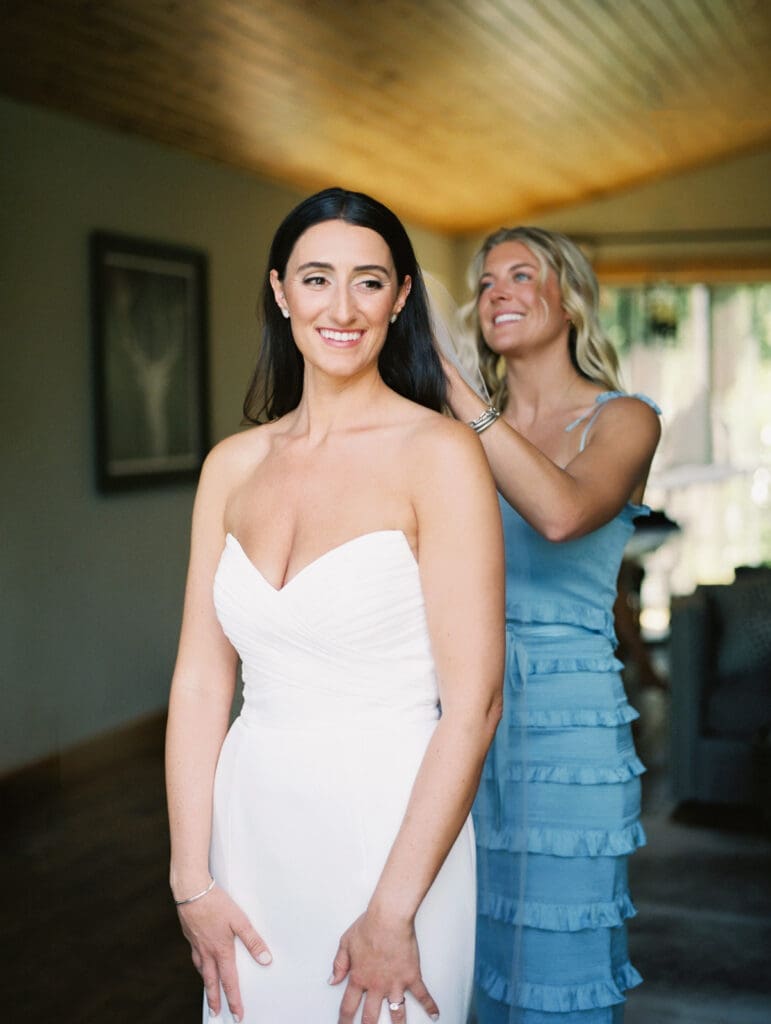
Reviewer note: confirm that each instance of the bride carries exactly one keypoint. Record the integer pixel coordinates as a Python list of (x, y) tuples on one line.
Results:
[(348, 550)]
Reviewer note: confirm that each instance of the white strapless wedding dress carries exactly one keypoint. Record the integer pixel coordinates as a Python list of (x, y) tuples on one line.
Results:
[(340, 702)]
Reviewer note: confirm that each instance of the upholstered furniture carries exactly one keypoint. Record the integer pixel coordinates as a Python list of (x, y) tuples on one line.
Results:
[(720, 651)]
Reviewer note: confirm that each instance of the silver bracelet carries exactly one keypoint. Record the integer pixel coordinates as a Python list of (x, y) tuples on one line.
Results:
[(198, 895), (485, 419)]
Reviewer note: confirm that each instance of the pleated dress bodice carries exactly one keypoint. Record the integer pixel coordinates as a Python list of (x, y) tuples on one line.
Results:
[(321, 650), (570, 584)]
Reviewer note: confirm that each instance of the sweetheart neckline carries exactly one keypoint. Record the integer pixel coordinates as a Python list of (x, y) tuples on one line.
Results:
[(321, 558)]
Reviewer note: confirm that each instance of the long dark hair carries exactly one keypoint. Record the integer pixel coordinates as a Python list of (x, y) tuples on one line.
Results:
[(408, 362)]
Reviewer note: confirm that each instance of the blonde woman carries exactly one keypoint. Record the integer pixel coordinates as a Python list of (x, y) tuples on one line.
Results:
[(557, 811)]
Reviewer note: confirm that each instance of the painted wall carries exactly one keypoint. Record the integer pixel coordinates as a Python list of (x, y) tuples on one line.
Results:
[(91, 585)]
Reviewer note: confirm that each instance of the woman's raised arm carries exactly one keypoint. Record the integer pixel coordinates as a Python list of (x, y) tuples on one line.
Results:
[(563, 503)]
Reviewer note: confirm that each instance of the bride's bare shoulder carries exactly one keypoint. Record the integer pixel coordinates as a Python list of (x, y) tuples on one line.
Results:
[(440, 445), (231, 459)]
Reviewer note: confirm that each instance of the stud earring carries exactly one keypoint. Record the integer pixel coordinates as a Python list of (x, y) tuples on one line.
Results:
[(393, 318), (285, 312)]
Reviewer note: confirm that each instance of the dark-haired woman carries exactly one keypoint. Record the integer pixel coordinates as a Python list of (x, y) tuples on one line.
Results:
[(558, 807), (328, 830)]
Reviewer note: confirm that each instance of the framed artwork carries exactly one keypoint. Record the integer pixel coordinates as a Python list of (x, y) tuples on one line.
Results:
[(149, 326)]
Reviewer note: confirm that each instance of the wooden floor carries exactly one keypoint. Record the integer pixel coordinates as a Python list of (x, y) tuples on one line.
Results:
[(88, 931), (88, 934)]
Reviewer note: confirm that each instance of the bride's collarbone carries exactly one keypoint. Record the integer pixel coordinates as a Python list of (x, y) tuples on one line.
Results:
[(290, 510)]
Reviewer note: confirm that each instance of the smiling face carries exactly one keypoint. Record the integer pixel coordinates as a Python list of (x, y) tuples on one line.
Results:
[(518, 309), (340, 290)]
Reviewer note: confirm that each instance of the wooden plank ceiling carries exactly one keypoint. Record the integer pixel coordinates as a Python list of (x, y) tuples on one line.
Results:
[(461, 114)]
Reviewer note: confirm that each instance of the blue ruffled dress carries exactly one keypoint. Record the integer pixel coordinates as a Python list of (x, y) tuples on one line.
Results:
[(558, 808)]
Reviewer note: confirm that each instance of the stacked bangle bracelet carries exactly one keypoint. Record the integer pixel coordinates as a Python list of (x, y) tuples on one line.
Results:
[(198, 895), (485, 419)]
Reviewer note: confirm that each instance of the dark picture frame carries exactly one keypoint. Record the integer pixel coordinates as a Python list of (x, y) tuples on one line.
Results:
[(149, 317)]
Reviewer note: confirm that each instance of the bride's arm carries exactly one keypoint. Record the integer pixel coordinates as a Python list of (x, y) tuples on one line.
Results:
[(565, 503), (460, 553), (201, 695)]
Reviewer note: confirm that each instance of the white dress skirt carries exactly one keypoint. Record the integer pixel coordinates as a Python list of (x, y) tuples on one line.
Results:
[(314, 777)]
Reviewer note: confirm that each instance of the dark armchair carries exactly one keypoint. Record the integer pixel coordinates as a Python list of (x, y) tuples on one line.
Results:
[(720, 662)]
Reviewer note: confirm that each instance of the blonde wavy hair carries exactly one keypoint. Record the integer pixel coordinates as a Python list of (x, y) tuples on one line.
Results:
[(592, 353)]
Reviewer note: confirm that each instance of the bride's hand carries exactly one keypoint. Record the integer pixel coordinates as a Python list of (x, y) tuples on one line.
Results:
[(382, 962), (211, 926)]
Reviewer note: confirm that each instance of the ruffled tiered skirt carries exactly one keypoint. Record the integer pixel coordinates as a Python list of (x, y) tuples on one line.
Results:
[(556, 816)]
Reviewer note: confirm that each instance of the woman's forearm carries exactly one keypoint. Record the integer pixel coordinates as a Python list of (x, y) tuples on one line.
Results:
[(545, 495), (560, 504), (196, 728), (439, 805)]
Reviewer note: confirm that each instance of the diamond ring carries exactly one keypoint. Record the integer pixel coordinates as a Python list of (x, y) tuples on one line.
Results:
[(395, 1005)]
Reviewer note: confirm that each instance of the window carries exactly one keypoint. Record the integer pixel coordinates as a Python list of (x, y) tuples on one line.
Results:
[(704, 353)]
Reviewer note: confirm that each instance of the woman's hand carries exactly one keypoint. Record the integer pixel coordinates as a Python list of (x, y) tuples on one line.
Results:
[(464, 402), (382, 962), (451, 372), (211, 926)]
